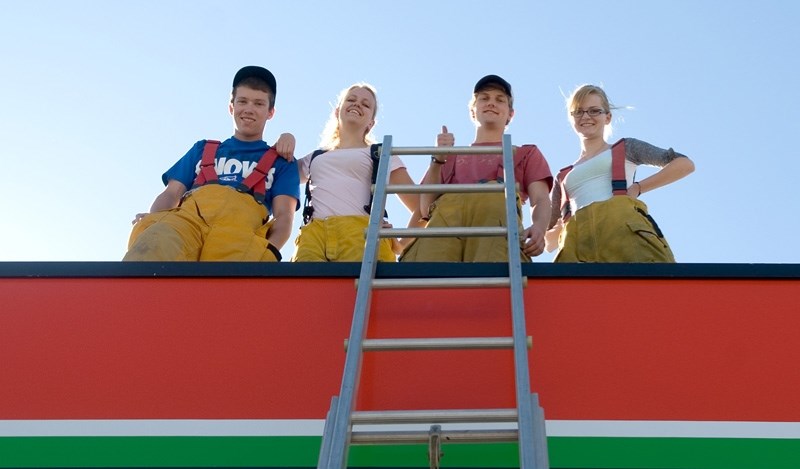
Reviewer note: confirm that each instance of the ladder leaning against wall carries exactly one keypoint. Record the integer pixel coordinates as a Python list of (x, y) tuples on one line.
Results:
[(338, 434)]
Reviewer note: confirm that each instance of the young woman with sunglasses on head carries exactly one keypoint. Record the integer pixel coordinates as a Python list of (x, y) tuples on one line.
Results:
[(597, 214)]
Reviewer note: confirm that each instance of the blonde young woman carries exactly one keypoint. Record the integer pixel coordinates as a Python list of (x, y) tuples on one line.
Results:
[(340, 184), (597, 214)]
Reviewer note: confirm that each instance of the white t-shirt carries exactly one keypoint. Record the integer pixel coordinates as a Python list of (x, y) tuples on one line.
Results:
[(341, 180)]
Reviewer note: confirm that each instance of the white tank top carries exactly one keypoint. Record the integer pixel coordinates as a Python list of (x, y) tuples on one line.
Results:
[(590, 180)]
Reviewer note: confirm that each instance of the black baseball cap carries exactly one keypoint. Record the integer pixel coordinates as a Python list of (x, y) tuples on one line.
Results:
[(493, 80), (258, 72)]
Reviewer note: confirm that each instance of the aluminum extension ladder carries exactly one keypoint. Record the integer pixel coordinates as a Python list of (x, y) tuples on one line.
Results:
[(338, 434)]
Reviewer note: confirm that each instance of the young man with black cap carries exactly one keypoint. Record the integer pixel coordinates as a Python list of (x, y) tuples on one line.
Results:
[(228, 201), (491, 109)]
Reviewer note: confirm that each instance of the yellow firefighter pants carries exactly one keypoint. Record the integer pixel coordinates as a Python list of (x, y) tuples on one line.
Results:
[(337, 239), (213, 223), (614, 230), (465, 210)]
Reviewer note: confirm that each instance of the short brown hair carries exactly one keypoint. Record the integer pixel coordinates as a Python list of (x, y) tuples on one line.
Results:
[(257, 84)]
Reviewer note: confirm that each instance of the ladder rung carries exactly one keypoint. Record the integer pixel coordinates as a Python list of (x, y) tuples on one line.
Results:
[(479, 150), (445, 343), (442, 188), (455, 232), (374, 417), (450, 436), (465, 282)]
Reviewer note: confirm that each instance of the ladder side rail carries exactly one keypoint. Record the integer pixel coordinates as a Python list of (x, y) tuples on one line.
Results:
[(539, 433), (340, 433), (325, 446), (521, 370)]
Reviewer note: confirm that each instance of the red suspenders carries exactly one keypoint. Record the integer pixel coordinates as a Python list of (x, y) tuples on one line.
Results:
[(208, 174), (253, 181), (619, 183)]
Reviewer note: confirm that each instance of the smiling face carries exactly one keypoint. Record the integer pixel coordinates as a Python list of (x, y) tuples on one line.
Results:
[(357, 109), (491, 107), (250, 110), (586, 125)]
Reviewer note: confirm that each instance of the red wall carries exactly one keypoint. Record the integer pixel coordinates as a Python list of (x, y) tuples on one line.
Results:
[(260, 348)]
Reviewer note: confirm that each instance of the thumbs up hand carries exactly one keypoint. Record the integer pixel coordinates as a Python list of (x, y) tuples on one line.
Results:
[(444, 139)]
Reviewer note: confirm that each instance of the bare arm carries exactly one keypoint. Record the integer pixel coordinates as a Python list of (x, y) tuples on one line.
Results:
[(674, 170), (169, 198), (540, 218), (434, 173), (412, 203), (432, 176), (285, 146), (674, 165), (303, 167), (400, 176), (283, 214)]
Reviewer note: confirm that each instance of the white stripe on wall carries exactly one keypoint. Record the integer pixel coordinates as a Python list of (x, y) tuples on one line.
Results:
[(555, 428)]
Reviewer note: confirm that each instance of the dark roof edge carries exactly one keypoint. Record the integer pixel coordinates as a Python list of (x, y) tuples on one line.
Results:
[(398, 270)]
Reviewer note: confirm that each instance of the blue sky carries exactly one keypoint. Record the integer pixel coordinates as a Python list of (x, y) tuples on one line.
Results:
[(98, 99)]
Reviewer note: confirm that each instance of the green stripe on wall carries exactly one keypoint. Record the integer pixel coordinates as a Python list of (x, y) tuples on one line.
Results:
[(565, 452), (227, 452), (157, 451), (674, 453)]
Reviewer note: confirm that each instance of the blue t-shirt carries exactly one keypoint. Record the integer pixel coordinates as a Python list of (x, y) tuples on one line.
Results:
[(235, 160)]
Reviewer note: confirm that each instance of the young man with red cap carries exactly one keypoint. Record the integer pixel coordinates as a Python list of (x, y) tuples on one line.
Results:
[(491, 109), (228, 201)]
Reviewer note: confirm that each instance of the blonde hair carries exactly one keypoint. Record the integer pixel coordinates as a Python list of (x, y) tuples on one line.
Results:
[(330, 137)]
